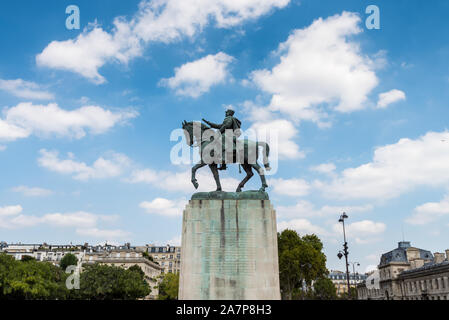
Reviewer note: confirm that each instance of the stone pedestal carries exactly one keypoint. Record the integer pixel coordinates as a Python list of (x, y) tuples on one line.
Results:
[(229, 248)]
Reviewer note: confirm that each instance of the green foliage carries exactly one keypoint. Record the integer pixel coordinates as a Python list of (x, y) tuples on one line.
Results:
[(27, 258), (146, 255), (169, 287), (30, 279), (301, 261), (324, 289), (68, 260), (136, 268), (352, 294), (103, 282)]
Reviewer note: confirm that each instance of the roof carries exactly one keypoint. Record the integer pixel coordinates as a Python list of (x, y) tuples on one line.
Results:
[(400, 254), (426, 267)]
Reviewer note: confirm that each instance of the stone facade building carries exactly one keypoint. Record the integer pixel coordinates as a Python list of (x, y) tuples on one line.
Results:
[(338, 278), (168, 257), (409, 273)]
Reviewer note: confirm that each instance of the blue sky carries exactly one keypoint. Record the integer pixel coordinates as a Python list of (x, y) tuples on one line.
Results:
[(361, 116)]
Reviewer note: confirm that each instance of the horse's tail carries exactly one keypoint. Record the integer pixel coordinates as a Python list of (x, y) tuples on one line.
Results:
[(266, 154)]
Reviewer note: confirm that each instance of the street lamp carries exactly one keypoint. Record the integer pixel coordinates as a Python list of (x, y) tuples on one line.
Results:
[(345, 250), (353, 266)]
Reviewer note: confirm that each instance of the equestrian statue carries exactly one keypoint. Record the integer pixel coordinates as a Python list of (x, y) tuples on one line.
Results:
[(222, 146)]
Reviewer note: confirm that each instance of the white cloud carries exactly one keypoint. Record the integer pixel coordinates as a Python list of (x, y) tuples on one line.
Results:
[(430, 212), (25, 89), (387, 98), (32, 192), (370, 268), (395, 169), (103, 233), (319, 64), (281, 134), (302, 226), (365, 231), (326, 168), (180, 181), (85, 223), (10, 210), (12, 218), (112, 166), (25, 118), (176, 241), (10, 132), (164, 207), (290, 187), (75, 219), (304, 208), (91, 50), (2, 148), (163, 21), (195, 78)]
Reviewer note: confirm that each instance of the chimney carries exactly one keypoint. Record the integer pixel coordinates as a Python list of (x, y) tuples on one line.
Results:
[(416, 263), (438, 257)]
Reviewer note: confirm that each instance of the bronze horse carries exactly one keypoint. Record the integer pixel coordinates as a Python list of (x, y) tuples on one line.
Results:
[(246, 153)]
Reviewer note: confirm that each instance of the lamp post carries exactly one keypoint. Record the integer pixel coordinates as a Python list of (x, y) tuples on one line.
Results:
[(345, 250), (353, 266)]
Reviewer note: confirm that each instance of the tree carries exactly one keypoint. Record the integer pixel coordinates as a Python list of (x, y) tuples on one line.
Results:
[(169, 287), (352, 294), (68, 260), (324, 289), (301, 261), (30, 279), (136, 268), (27, 258), (103, 282)]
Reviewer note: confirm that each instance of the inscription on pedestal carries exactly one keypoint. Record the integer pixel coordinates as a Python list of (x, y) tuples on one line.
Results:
[(229, 250)]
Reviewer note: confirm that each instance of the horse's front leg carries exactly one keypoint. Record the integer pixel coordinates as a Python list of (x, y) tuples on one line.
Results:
[(214, 169), (196, 167)]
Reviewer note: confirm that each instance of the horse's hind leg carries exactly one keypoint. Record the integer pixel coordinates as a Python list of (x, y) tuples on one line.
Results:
[(249, 173), (214, 169), (261, 173)]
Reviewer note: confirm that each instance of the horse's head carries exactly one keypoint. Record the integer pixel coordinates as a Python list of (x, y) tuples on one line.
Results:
[(188, 132), (193, 130)]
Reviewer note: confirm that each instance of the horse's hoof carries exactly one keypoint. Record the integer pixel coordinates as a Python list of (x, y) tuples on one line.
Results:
[(238, 190), (195, 184), (262, 189), (218, 189)]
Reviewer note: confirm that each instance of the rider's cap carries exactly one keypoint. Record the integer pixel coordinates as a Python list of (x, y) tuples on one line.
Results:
[(230, 111)]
